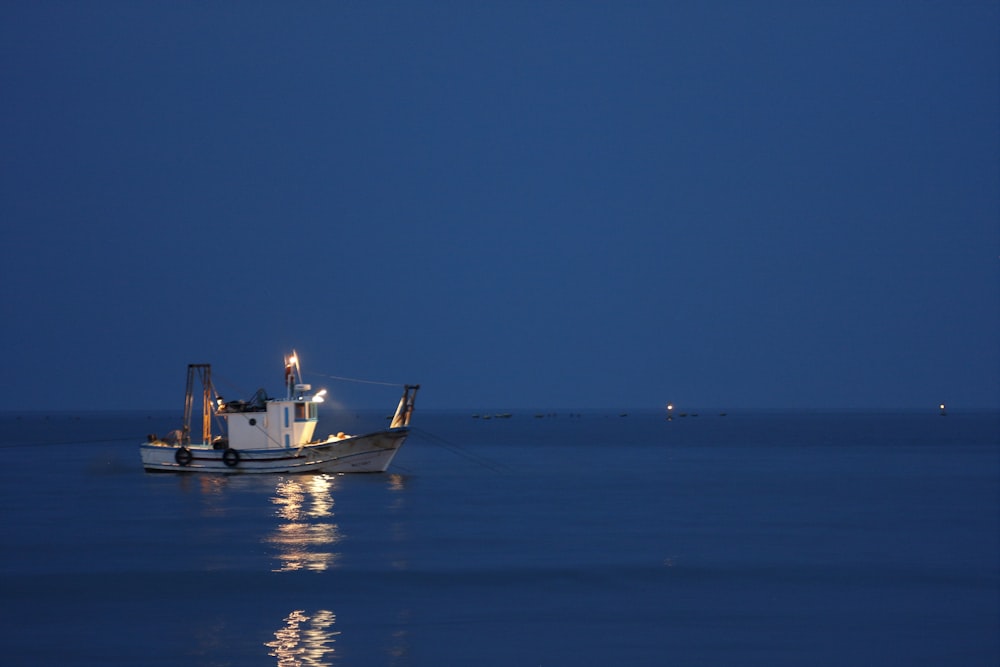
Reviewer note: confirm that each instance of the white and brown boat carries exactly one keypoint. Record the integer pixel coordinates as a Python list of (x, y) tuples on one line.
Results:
[(272, 435)]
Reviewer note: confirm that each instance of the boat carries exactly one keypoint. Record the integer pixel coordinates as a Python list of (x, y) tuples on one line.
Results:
[(271, 435)]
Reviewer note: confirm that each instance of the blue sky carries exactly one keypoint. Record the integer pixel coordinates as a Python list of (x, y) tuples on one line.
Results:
[(516, 204)]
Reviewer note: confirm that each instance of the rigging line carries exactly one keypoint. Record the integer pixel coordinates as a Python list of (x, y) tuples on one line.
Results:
[(49, 443), (460, 451), (338, 377), (227, 384)]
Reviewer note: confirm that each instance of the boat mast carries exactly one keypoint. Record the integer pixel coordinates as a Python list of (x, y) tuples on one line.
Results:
[(293, 375), (204, 372)]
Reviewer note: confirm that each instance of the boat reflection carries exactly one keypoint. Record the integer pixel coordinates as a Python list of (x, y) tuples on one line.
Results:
[(397, 482), (304, 539), (305, 640)]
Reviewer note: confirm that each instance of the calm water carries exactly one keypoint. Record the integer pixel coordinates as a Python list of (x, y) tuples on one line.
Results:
[(749, 539)]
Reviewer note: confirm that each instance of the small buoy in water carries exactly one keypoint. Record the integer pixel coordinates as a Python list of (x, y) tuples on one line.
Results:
[(943, 411)]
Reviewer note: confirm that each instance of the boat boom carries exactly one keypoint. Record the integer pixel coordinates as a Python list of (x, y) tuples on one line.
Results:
[(405, 408)]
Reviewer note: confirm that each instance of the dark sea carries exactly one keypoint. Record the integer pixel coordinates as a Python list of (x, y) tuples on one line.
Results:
[(765, 539)]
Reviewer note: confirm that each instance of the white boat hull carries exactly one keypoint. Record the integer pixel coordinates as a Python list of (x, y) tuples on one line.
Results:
[(364, 453)]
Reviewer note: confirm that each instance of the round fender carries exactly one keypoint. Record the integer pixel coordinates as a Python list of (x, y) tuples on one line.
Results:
[(231, 457), (183, 456)]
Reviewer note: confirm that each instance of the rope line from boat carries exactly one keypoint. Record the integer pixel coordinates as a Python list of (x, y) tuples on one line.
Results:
[(54, 443), (457, 449), (358, 380)]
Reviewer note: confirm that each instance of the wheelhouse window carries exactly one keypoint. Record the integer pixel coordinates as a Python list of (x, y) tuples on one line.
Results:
[(305, 412)]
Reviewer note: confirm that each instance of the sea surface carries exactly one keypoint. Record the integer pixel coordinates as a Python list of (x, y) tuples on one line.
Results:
[(540, 539)]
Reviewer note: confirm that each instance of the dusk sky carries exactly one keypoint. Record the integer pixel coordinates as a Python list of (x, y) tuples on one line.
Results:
[(732, 205)]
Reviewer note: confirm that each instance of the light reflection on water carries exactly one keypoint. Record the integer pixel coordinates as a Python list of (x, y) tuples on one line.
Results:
[(398, 533), (303, 540), (307, 640), (303, 536), (304, 640), (304, 505)]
